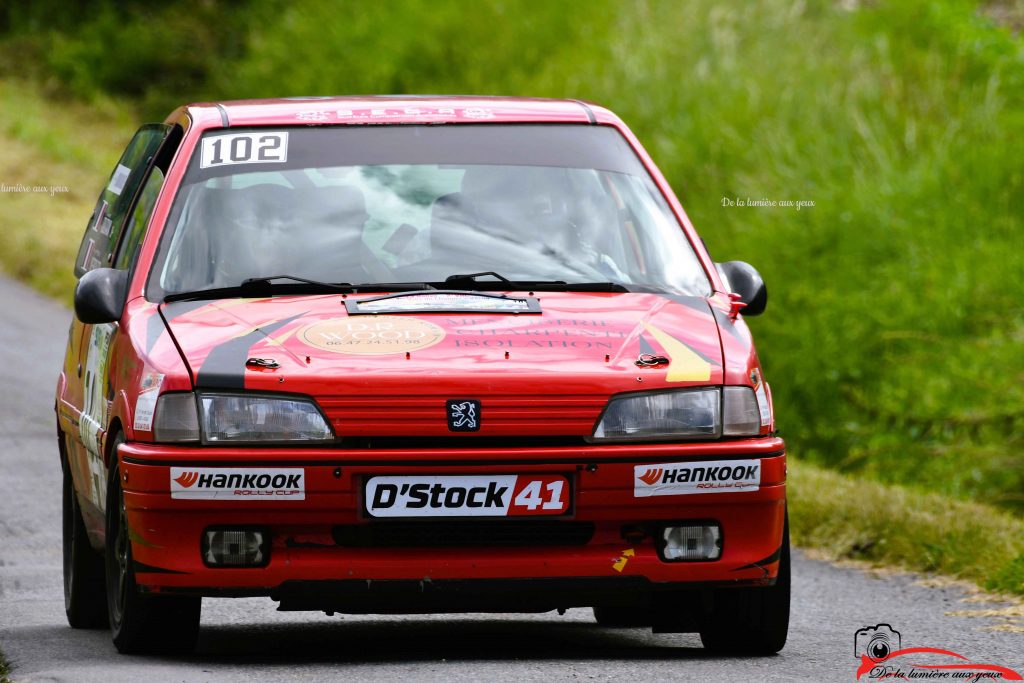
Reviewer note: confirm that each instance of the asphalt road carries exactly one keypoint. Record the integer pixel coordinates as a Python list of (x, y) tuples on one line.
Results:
[(243, 640)]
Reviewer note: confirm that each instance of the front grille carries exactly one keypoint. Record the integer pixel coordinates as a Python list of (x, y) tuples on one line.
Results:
[(459, 442), (464, 533), (424, 414)]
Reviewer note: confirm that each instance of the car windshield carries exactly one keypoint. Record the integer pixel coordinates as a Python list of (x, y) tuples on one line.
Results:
[(392, 204)]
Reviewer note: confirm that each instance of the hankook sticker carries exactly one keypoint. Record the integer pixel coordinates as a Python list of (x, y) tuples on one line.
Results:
[(374, 336), (212, 483), (717, 476)]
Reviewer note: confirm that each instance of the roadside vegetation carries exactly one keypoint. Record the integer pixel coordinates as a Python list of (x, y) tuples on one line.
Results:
[(55, 157), (853, 518), (896, 320)]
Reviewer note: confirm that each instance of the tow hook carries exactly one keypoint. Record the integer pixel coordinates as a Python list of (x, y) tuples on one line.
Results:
[(649, 359)]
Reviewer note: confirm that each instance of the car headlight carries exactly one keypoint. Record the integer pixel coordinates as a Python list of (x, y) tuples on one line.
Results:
[(683, 414), (234, 418), (705, 413)]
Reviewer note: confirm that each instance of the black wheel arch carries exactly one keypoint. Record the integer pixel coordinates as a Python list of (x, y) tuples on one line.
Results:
[(113, 431)]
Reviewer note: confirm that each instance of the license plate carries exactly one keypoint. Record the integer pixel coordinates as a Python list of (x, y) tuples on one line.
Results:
[(499, 495)]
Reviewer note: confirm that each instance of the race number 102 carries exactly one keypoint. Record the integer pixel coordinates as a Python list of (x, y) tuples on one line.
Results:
[(244, 148)]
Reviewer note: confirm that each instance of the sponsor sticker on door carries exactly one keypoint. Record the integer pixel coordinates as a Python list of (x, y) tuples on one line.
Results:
[(223, 483), (717, 476), (503, 495)]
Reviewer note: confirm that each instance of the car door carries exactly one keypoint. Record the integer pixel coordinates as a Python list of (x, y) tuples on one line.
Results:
[(90, 389)]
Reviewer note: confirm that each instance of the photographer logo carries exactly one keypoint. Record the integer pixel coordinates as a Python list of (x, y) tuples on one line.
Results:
[(880, 650), (876, 642)]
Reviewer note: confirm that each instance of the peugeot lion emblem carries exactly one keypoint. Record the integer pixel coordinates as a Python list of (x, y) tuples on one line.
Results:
[(463, 415)]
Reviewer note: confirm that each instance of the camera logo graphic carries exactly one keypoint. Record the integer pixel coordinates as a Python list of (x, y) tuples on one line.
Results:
[(877, 642)]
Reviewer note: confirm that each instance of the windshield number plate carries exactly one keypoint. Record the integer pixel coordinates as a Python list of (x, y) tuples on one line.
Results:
[(503, 495), (244, 148)]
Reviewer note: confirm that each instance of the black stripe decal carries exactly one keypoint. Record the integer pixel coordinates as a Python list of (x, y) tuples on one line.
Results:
[(224, 368), (158, 323), (700, 305), (176, 309), (714, 362), (645, 347), (154, 328), (697, 303), (223, 115), (726, 323)]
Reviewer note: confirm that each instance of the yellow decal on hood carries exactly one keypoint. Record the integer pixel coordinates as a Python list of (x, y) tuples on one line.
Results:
[(685, 365)]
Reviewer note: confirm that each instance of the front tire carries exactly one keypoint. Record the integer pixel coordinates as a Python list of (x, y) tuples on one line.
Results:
[(141, 623), (751, 620), (85, 598)]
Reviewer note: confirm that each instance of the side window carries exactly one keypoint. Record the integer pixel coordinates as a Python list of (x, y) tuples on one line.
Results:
[(109, 216), (136, 227)]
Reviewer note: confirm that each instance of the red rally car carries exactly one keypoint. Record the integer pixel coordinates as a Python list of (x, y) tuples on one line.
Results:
[(409, 355)]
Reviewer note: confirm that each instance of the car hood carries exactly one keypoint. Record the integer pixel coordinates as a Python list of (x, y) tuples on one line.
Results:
[(392, 372)]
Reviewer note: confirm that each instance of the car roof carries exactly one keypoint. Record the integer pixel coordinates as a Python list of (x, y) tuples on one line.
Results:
[(394, 109)]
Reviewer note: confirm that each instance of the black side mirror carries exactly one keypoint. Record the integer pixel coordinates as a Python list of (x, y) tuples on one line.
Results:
[(100, 295), (743, 279)]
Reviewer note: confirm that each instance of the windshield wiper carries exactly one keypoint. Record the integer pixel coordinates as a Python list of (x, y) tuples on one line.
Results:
[(472, 277), (255, 282), (342, 286), (267, 286), (259, 286), (502, 283)]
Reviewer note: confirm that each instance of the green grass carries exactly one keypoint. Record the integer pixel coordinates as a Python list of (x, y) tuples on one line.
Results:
[(51, 143), (5, 669), (853, 518)]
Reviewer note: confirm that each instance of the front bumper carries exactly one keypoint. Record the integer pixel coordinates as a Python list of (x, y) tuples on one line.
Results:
[(312, 565)]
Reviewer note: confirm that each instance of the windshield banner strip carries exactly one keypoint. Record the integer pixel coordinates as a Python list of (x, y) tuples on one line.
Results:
[(553, 145)]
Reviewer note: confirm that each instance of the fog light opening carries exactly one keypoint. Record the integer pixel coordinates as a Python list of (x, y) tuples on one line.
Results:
[(692, 542), (227, 547)]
